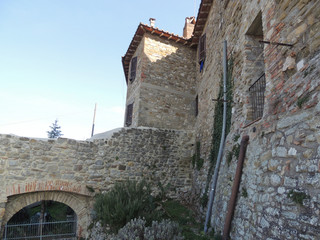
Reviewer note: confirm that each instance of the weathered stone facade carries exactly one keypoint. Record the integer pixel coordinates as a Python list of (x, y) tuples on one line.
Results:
[(68, 169), (283, 153), (163, 92)]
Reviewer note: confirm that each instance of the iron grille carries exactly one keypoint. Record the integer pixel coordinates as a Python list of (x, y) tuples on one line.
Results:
[(256, 92), (38, 231)]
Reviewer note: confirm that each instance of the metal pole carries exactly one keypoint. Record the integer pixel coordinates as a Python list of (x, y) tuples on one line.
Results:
[(235, 188), (5, 232), (94, 119), (216, 170)]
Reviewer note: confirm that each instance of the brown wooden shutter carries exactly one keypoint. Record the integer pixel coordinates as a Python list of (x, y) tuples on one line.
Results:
[(129, 115), (202, 48), (133, 69)]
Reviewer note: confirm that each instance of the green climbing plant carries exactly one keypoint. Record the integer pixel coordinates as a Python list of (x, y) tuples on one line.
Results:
[(218, 121), (197, 161)]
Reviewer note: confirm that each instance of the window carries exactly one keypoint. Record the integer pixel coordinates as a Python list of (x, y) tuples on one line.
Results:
[(196, 106), (133, 69), (129, 115), (255, 69), (256, 91), (202, 50)]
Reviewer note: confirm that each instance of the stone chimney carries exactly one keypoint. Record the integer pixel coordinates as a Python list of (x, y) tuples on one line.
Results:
[(152, 21), (188, 27)]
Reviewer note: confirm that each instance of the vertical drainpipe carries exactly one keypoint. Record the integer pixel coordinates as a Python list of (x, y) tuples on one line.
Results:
[(216, 170), (235, 187)]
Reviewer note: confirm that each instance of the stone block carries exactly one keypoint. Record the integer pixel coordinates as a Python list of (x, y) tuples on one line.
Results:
[(290, 182), (275, 180), (301, 29), (279, 152)]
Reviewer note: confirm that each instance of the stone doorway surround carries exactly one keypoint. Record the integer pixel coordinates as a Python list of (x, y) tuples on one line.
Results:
[(80, 204)]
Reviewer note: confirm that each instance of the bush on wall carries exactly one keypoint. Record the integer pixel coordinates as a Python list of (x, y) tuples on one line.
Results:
[(125, 201)]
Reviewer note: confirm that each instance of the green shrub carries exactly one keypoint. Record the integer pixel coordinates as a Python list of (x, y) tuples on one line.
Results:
[(196, 159), (297, 196), (136, 230), (125, 201), (244, 192), (132, 230), (302, 100), (163, 230)]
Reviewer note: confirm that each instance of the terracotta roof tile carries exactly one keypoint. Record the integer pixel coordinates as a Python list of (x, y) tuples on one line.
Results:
[(203, 13), (141, 30)]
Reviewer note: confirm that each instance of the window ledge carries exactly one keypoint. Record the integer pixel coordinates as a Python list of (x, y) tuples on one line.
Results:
[(252, 122)]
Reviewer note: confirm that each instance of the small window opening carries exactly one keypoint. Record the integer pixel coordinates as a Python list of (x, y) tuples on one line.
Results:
[(133, 69), (255, 70), (129, 113), (202, 51), (196, 106)]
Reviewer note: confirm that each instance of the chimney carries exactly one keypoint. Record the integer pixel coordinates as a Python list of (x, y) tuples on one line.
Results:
[(152, 21), (188, 27)]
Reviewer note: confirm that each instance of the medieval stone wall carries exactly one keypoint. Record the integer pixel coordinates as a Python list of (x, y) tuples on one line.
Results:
[(283, 153), (78, 167)]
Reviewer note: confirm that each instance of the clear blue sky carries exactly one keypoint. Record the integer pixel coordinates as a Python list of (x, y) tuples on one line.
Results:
[(60, 57)]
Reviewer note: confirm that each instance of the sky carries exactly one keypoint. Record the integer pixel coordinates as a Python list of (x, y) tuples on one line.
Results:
[(58, 58)]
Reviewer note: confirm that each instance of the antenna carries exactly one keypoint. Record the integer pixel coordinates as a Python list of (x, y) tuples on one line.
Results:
[(94, 119), (195, 7)]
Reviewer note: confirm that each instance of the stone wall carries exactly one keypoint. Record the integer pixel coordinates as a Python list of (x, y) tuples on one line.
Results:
[(133, 87), (164, 90), (77, 167), (283, 153)]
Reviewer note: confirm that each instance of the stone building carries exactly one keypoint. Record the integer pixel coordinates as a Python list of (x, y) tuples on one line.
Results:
[(159, 69), (173, 100), (273, 55)]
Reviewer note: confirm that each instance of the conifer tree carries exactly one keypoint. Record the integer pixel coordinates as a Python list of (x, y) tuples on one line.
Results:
[(55, 130)]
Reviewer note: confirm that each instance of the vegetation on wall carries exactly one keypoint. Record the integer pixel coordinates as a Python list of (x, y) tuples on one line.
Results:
[(302, 100), (125, 201), (233, 153), (297, 196), (197, 161), (137, 229), (244, 192), (129, 208), (218, 121)]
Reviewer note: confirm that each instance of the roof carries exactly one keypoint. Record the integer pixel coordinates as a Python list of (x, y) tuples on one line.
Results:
[(141, 30), (203, 13)]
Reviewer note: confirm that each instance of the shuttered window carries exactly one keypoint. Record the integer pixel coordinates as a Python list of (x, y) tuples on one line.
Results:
[(133, 69), (129, 115), (202, 48)]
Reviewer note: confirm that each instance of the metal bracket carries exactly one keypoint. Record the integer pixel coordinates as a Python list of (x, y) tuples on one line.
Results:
[(221, 100), (276, 43)]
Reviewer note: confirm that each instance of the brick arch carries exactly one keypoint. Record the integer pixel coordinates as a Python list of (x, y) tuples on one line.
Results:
[(80, 204)]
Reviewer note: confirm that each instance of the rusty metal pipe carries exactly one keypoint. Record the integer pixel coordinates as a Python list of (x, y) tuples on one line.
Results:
[(235, 187)]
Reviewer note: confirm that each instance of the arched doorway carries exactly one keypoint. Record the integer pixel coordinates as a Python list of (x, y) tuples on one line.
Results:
[(42, 220), (78, 205)]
